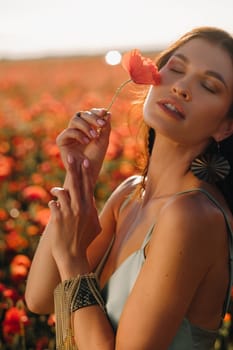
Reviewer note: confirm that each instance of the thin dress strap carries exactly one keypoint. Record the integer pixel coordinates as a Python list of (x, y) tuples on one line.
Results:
[(230, 238), (148, 236), (104, 258)]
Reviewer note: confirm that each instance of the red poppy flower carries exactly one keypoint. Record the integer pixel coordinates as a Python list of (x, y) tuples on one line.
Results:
[(21, 259), (12, 324), (10, 293), (3, 214), (34, 192), (19, 267), (18, 272), (6, 166), (15, 241), (142, 70)]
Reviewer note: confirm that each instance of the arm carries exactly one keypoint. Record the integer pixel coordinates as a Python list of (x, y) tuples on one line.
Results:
[(79, 143), (77, 217), (39, 291), (39, 296), (178, 260), (164, 289)]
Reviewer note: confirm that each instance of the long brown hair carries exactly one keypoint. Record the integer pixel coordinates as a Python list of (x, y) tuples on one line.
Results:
[(224, 40)]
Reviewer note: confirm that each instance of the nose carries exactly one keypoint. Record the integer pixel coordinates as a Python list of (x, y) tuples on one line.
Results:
[(181, 91)]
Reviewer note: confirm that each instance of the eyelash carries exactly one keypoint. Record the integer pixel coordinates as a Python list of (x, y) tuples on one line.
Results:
[(211, 90), (176, 71)]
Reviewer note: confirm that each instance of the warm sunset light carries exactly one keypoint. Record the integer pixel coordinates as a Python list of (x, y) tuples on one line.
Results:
[(113, 57)]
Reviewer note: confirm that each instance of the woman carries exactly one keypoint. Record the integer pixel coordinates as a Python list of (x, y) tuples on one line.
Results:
[(161, 248)]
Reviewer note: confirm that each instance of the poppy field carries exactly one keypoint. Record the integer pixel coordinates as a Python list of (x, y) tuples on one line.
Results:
[(37, 99)]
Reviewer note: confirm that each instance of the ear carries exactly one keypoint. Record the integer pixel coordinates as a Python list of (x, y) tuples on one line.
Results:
[(225, 130)]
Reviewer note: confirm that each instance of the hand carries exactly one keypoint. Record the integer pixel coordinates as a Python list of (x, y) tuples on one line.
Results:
[(87, 136), (74, 220)]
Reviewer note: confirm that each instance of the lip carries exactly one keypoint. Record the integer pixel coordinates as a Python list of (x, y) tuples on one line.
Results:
[(179, 115)]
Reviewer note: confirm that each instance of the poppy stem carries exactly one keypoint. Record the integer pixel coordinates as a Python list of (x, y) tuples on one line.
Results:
[(117, 93)]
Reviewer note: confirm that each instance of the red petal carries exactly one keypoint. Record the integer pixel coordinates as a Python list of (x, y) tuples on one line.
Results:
[(142, 70)]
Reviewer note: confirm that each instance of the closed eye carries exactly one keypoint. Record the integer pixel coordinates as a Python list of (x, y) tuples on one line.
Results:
[(209, 88), (175, 70)]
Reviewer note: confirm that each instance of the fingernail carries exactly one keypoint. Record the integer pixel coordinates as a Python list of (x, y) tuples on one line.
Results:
[(100, 122), (70, 159), (53, 190), (86, 163), (93, 133)]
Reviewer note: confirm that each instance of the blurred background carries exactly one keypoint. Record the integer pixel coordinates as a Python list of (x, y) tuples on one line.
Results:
[(33, 28), (58, 57)]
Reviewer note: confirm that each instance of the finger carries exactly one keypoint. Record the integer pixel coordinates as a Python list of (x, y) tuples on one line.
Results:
[(100, 112), (62, 196), (89, 192), (54, 207), (75, 183), (70, 134), (102, 121), (87, 183), (85, 122), (95, 118), (105, 131), (101, 116)]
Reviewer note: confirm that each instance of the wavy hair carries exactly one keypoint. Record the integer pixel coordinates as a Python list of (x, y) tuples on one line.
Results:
[(224, 40)]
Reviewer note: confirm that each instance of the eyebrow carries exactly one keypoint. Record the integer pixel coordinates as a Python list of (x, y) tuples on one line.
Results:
[(208, 72)]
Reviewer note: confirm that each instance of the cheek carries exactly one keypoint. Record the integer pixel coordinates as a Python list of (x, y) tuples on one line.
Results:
[(150, 103), (167, 77), (214, 112), (204, 122)]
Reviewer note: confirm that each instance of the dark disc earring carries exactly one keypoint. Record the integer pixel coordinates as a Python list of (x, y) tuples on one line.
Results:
[(211, 167)]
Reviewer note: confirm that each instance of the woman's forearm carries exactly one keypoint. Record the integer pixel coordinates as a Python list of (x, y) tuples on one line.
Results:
[(39, 291), (92, 329), (91, 326), (42, 279)]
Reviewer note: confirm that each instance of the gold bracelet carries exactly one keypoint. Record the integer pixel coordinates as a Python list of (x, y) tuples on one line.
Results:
[(70, 296)]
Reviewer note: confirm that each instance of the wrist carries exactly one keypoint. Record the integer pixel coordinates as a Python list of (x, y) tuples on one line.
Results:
[(70, 296), (71, 267)]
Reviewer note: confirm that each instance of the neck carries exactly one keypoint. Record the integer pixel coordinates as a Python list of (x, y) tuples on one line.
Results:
[(169, 168)]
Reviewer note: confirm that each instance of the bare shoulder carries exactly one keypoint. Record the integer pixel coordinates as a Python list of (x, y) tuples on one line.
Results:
[(122, 192), (128, 184), (193, 208), (193, 222)]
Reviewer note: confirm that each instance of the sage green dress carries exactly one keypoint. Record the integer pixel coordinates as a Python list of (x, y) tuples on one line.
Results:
[(118, 287)]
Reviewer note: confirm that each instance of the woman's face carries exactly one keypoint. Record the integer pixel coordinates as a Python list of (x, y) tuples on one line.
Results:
[(196, 91)]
